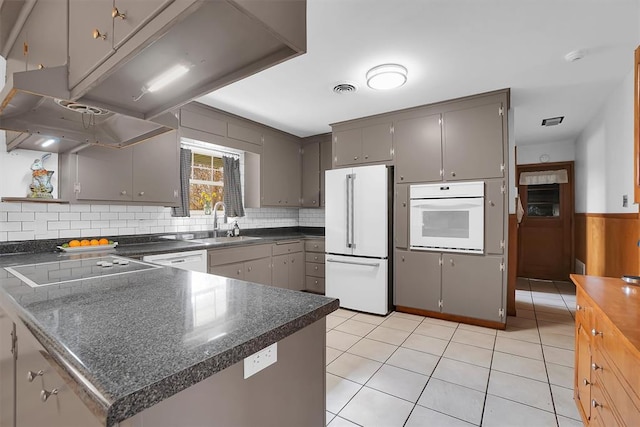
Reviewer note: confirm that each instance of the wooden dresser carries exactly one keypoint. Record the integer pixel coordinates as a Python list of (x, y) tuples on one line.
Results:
[(607, 365)]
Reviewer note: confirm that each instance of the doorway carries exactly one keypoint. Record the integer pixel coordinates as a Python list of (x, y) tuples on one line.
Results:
[(545, 234)]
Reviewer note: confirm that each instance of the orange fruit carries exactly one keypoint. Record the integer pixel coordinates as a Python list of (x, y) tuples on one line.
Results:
[(85, 242), (104, 241), (74, 243), (94, 242)]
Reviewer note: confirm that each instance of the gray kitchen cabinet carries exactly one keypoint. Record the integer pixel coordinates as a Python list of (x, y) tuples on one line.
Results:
[(242, 133), (418, 281), (102, 174), (131, 16), (251, 263), (46, 44), (402, 216), (311, 175), (314, 265), (368, 144), (90, 36), (418, 149), (145, 173), (288, 265), (472, 286), (494, 241), (325, 165), (233, 270), (473, 142), (281, 171), (62, 408), (258, 271), (156, 170), (7, 370)]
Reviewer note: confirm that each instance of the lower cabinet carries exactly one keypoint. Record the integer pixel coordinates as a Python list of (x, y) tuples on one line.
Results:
[(250, 263), (288, 265), (418, 280), (314, 265), (607, 382), (42, 396), (462, 285), (7, 370)]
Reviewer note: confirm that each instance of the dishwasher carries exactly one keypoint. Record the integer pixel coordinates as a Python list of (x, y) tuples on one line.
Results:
[(192, 260)]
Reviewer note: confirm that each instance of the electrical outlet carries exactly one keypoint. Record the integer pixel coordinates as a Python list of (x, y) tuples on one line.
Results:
[(625, 201), (260, 360)]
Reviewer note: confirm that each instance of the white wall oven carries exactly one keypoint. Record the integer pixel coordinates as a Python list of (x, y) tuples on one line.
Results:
[(447, 217)]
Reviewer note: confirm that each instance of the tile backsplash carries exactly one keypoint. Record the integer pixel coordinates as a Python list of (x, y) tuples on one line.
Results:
[(29, 221)]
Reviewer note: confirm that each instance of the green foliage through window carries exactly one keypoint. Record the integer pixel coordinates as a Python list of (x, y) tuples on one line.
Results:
[(206, 183)]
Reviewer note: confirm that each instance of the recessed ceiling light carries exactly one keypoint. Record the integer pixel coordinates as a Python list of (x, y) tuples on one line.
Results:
[(386, 76), (48, 142), (552, 121)]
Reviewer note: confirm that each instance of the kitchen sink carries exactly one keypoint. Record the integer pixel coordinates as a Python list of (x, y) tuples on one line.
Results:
[(221, 240)]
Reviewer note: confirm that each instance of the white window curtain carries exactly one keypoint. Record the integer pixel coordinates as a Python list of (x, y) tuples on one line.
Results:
[(544, 177)]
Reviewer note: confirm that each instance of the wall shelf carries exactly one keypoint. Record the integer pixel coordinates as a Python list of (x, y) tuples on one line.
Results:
[(32, 200)]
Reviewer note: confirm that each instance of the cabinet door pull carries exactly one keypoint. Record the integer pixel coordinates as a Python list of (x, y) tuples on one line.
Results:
[(586, 382), (98, 35), (32, 375), (453, 174), (595, 332), (123, 193), (44, 394), (115, 13), (451, 262), (355, 157), (595, 403), (595, 367), (239, 271), (141, 193)]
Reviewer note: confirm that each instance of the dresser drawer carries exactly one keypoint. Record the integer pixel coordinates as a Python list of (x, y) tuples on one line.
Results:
[(287, 247), (313, 269), (314, 284), (316, 245), (314, 257), (601, 408), (583, 311)]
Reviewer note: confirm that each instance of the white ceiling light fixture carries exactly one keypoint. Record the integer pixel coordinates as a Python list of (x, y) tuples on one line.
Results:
[(386, 76), (166, 78), (48, 142)]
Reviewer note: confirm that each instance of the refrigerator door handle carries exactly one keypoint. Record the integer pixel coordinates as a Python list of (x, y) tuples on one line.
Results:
[(348, 210), (352, 243), (366, 264)]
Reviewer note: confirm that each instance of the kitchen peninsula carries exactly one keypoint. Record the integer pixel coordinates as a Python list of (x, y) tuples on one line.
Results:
[(162, 347)]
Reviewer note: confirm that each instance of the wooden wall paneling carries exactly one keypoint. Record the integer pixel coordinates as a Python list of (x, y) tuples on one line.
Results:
[(607, 243), (512, 267)]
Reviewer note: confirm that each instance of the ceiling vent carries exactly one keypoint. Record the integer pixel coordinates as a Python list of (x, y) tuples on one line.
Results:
[(344, 88), (552, 121)]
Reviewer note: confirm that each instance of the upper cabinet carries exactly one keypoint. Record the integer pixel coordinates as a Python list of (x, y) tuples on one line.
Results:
[(367, 144), (473, 141), (462, 139), (147, 173), (418, 149), (130, 15), (90, 36), (311, 175), (281, 170), (325, 165)]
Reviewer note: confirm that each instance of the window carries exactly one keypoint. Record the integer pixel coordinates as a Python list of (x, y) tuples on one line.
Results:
[(206, 183), (543, 200)]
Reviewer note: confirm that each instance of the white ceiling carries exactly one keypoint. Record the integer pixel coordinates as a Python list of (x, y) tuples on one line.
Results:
[(452, 48)]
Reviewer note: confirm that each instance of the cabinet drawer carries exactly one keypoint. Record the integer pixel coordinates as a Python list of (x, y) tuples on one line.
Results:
[(287, 247), (314, 284), (244, 253), (607, 378), (603, 413), (609, 341), (314, 257), (314, 269), (314, 245), (583, 312)]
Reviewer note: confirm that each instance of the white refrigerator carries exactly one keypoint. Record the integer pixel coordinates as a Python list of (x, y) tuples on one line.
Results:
[(357, 236)]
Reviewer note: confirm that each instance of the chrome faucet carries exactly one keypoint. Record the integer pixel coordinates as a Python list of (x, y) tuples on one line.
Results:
[(215, 216)]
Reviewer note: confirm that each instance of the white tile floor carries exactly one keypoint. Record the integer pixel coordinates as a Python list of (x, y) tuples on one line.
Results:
[(407, 370)]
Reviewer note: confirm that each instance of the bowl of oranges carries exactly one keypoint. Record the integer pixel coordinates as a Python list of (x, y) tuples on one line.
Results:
[(85, 245)]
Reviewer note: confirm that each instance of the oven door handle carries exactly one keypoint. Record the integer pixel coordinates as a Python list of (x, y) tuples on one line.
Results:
[(443, 206), (365, 264)]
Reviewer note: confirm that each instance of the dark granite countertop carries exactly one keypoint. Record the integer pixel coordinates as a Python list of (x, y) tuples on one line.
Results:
[(132, 341)]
